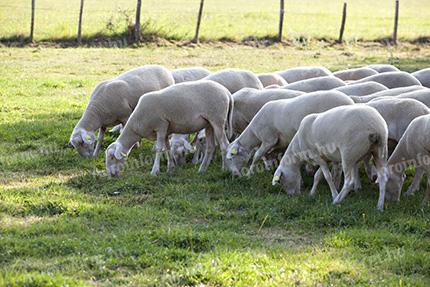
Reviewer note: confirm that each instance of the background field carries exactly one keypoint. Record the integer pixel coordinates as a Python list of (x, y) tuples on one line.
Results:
[(234, 20), (60, 224)]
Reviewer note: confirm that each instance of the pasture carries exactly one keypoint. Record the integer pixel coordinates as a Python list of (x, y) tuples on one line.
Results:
[(62, 223), (223, 19)]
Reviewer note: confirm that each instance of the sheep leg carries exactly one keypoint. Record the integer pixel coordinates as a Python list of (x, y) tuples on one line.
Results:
[(357, 183), (102, 132), (369, 168), (210, 149), (317, 177), (222, 140), (160, 146), (329, 179), (347, 185), (170, 159), (382, 173), (337, 174), (261, 151), (415, 185)]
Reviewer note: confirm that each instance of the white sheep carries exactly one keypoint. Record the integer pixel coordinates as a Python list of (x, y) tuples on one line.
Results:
[(112, 103), (343, 135), (388, 93), (354, 74), (247, 102), (316, 84), (189, 74), (303, 73), (184, 109), (392, 79), (270, 79), (274, 126), (236, 79), (423, 76), (412, 150), (180, 147), (383, 68), (362, 89)]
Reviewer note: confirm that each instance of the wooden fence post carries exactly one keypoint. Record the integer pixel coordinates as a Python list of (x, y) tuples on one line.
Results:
[(281, 20), (199, 20), (81, 10), (342, 26), (33, 8), (137, 27), (396, 23)]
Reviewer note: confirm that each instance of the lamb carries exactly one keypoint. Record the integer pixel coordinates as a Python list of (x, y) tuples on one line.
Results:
[(343, 135), (423, 76), (183, 108), (189, 74), (413, 149), (303, 73), (362, 89), (270, 79), (247, 102), (388, 93), (235, 79), (274, 126), (112, 103), (354, 74), (180, 147), (316, 84), (383, 68), (392, 79)]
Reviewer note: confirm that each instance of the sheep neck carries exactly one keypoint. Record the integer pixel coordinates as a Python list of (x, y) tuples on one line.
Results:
[(128, 138), (400, 158), (248, 140), (90, 120)]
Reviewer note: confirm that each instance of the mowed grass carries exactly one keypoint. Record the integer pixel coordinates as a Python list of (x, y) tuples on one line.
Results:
[(63, 223), (223, 19)]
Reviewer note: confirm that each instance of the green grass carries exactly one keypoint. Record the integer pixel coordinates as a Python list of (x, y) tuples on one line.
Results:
[(61, 224), (223, 19)]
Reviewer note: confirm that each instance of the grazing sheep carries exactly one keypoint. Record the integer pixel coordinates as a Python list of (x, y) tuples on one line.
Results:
[(189, 74), (362, 89), (316, 84), (270, 79), (412, 150), (112, 103), (235, 79), (423, 76), (303, 73), (179, 147), (247, 102), (392, 79), (275, 125), (354, 74), (343, 135), (183, 108), (383, 68), (388, 93)]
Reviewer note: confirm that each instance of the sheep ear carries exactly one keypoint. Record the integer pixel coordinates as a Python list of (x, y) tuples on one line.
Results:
[(118, 153), (87, 138), (276, 177)]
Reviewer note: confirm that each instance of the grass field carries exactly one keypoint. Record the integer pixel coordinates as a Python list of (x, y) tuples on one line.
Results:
[(61, 225), (235, 20)]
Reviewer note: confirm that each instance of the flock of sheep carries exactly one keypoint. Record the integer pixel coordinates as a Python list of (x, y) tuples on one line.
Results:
[(306, 116)]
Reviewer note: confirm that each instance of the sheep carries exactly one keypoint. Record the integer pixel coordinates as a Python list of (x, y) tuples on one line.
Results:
[(189, 74), (388, 93), (343, 135), (275, 125), (180, 147), (303, 73), (383, 68), (112, 103), (354, 74), (413, 149), (392, 79), (316, 84), (183, 108), (362, 89), (422, 96), (236, 79), (247, 102), (423, 76), (270, 79)]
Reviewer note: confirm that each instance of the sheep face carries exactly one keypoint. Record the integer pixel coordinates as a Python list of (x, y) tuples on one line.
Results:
[(289, 178), (179, 150), (115, 160), (394, 186), (237, 158), (83, 141)]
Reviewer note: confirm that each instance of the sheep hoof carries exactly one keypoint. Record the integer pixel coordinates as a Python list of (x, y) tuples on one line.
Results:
[(155, 172)]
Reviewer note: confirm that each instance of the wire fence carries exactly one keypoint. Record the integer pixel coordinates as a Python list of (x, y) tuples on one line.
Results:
[(275, 17)]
